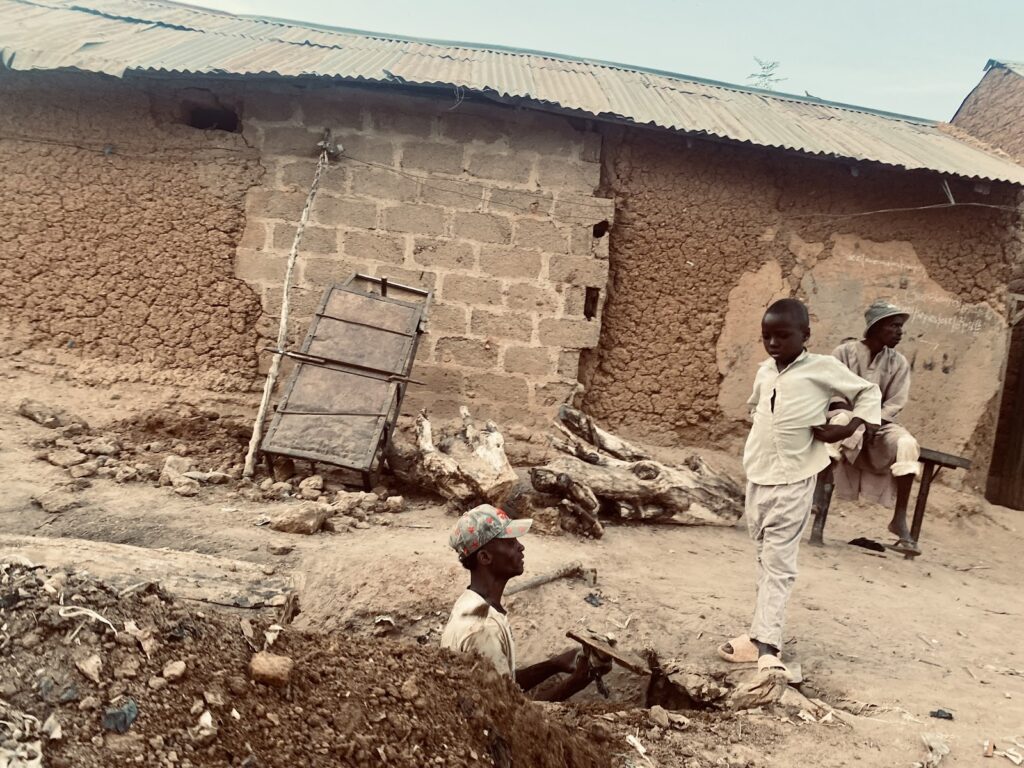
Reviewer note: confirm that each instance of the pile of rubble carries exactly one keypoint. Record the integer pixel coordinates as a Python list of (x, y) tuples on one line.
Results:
[(90, 676)]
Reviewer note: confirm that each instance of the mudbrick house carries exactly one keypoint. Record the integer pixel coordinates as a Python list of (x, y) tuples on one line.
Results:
[(587, 228), (993, 112)]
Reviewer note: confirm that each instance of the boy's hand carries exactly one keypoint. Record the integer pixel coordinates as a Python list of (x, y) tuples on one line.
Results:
[(833, 433)]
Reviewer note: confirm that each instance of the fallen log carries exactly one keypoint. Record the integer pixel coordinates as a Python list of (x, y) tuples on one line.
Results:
[(467, 468), (602, 474)]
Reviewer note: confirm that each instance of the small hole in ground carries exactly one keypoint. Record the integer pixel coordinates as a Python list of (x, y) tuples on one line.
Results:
[(601, 228), (213, 119)]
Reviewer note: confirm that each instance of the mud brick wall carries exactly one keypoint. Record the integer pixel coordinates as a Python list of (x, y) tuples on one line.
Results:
[(992, 112), (492, 208), (707, 234), (118, 229)]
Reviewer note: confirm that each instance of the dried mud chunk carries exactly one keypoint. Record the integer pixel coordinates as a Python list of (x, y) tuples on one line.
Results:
[(271, 669)]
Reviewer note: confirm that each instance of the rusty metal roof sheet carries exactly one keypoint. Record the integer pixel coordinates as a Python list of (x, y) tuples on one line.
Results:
[(116, 36)]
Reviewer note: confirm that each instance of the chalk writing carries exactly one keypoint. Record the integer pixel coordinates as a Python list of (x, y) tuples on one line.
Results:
[(861, 258)]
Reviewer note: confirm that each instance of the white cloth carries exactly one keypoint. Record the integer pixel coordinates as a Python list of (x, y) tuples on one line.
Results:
[(870, 473), (781, 448), (889, 370), (776, 518), (475, 625)]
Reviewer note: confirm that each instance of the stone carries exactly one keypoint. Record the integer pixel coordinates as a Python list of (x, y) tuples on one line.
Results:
[(127, 669), (156, 682), (270, 669), (238, 685), (284, 469), (67, 457), (314, 482), (48, 416), (309, 494), (305, 519), (125, 474), (187, 489), (394, 504), (90, 667), (101, 446), (174, 671), (55, 502), (658, 716), (89, 703), (174, 470), (88, 469), (280, 549), (119, 719)]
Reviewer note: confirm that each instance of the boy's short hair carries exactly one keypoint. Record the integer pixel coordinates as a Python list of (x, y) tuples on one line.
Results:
[(794, 308)]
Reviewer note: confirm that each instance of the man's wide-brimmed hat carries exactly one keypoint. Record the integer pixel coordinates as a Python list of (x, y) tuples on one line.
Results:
[(482, 524), (880, 309)]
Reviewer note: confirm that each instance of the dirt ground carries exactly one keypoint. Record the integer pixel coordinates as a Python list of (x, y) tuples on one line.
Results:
[(883, 639)]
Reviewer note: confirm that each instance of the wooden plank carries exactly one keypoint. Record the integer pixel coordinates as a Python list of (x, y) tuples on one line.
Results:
[(945, 459)]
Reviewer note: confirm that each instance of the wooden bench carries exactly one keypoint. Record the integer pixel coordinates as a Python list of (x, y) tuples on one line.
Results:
[(932, 462)]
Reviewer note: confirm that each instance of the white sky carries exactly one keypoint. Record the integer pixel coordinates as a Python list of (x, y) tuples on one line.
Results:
[(916, 57)]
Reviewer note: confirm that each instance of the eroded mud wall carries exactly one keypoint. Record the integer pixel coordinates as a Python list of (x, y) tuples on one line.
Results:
[(707, 235), (119, 229)]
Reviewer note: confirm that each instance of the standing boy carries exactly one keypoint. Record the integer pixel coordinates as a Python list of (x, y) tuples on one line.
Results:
[(784, 453)]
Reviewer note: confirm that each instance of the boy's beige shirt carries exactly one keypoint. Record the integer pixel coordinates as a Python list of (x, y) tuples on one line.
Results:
[(781, 448), (477, 626)]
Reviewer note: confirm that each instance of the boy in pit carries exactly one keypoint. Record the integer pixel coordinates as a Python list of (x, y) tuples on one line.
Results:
[(784, 453)]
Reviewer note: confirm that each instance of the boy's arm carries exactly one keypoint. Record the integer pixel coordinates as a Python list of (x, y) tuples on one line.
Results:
[(865, 398)]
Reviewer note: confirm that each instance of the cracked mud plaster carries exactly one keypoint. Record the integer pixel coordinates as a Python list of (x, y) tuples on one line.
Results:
[(122, 246), (696, 223)]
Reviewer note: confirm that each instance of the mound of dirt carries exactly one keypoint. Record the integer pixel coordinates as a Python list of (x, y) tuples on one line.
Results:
[(212, 440), (91, 677)]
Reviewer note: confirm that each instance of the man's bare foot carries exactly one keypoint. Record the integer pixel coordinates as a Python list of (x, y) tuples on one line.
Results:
[(899, 531)]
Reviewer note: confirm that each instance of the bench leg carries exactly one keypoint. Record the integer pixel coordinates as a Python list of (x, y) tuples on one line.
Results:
[(819, 506), (928, 473)]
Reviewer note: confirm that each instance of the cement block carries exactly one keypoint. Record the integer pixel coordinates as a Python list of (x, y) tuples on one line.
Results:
[(504, 261), (509, 168), (448, 319), (443, 253), (258, 267), (383, 184), (471, 290), (372, 246), (529, 361), (417, 219), (483, 227), (497, 387), (268, 204), (321, 271), (569, 333), (463, 128), (540, 234), (516, 326), (344, 212), (518, 201), (452, 193), (433, 157), (527, 297), (314, 239), (578, 270), (472, 353)]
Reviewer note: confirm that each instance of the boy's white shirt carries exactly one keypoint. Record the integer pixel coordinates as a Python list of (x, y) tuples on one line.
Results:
[(781, 448)]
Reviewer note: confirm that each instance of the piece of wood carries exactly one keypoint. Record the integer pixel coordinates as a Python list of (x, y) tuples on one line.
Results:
[(624, 659), (282, 327), (469, 467), (570, 571), (602, 474)]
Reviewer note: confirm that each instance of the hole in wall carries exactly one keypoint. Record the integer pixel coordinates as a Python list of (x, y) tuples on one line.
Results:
[(590, 300), (601, 228), (212, 118)]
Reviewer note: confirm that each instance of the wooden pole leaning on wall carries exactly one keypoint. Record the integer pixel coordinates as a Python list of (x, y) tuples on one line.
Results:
[(327, 150)]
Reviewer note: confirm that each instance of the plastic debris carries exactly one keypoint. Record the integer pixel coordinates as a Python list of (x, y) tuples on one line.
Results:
[(119, 719), (941, 714)]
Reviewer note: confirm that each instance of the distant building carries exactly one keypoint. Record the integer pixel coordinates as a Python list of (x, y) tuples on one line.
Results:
[(581, 222)]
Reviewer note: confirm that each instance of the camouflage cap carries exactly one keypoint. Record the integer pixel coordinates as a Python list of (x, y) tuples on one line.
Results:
[(481, 524)]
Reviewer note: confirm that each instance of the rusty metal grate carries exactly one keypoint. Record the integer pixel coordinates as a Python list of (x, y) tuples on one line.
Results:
[(341, 401)]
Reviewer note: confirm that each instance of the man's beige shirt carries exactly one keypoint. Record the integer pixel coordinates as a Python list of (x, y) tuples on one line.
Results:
[(477, 626), (889, 370), (781, 448)]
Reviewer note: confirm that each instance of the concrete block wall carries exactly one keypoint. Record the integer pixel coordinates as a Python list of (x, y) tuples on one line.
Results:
[(491, 207)]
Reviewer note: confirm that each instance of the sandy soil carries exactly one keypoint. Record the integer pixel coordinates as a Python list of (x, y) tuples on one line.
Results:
[(905, 636)]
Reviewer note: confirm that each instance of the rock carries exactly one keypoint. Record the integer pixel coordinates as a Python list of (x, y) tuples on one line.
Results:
[(238, 685), (156, 682), (89, 703), (30, 640), (102, 446), (174, 470), (270, 669), (56, 502), (313, 482), (47, 416), (146, 472), (126, 474), (394, 504), (127, 669), (409, 690), (174, 670), (88, 469), (280, 549), (305, 519), (381, 491), (57, 692), (180, 449), (91, 667), (361, 525), (119, 719), (267, 484), (309, 494), (218, 478), (187, 489), (66, 457), (658, 716), (213, 699)]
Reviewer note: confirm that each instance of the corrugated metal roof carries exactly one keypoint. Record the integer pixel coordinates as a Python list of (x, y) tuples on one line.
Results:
[(116, 36)]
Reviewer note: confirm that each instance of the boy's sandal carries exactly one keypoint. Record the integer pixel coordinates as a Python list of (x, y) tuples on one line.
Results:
[(770, 663), (743, 650)]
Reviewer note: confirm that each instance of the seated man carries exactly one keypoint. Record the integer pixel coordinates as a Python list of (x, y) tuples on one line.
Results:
[(879, 463), (488, 545)]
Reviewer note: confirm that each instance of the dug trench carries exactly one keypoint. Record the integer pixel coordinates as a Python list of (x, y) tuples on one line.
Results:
[(890, 640)]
